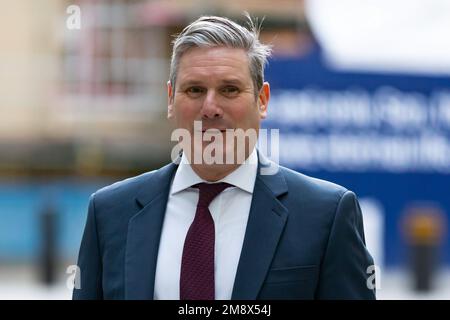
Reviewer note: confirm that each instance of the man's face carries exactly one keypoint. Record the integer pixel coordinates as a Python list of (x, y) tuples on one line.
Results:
[(214, 86)]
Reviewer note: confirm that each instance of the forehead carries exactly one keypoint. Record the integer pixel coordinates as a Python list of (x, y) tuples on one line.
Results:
[(214, 63)]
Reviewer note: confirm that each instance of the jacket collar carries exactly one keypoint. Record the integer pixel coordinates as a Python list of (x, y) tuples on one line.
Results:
[(265, 225)]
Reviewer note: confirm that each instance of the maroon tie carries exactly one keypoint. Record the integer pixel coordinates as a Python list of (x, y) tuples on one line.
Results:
[(197, 264)]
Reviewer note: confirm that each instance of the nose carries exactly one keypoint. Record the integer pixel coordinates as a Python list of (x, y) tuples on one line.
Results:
[(210, 107)]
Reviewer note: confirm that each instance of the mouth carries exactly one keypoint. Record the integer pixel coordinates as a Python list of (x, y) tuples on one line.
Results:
[(215, 129)]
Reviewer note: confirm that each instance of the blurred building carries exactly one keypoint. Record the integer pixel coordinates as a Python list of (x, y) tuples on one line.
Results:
[(93, 100)]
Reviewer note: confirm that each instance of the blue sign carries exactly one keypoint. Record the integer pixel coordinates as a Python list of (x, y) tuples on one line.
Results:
[(384, 136)]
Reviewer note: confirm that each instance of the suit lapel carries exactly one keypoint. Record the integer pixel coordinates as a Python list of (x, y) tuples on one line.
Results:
[(144, 231), (265, 225)]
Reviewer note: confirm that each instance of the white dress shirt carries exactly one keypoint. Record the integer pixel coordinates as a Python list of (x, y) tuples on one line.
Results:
[(229, 210)]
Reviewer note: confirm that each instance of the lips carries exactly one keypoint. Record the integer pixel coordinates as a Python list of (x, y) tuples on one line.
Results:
[(214, 129)]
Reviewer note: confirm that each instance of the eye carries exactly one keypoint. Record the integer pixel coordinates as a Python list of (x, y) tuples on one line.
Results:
[(194, 91), (230, 90)]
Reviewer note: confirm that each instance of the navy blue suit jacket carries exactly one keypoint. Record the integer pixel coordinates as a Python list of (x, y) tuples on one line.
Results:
[(304, 240)]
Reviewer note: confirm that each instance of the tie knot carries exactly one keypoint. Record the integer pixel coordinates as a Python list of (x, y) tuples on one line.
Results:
[(208, 191)]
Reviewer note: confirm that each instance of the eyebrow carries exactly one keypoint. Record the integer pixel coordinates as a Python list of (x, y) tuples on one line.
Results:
[(233, 81)]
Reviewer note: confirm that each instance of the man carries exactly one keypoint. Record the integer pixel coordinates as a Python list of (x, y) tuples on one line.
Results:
[(222, 229)]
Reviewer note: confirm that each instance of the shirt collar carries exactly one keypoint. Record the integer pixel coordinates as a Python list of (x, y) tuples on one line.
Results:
[(243, 177)]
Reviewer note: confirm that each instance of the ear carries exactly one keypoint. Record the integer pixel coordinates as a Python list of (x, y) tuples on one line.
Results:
[(263, 100), (170, 89)]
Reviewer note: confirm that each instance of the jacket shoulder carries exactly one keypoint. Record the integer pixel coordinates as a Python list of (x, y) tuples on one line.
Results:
[(126, 186), (311, 186), (144, 186)]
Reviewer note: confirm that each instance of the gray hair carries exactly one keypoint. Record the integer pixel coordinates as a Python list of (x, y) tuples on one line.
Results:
[(213, 31)]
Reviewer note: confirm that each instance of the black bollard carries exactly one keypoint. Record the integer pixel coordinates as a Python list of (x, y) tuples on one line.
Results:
[(424, 228), (48, 249), (424, 265)]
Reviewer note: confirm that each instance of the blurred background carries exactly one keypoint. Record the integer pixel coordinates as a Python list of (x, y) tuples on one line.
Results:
[(360, 94)]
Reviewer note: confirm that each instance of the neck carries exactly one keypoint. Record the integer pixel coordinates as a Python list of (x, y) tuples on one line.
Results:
[(215, 172)]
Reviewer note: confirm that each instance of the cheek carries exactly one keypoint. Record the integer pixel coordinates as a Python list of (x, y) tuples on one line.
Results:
[(185, 112), (247, 116)]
